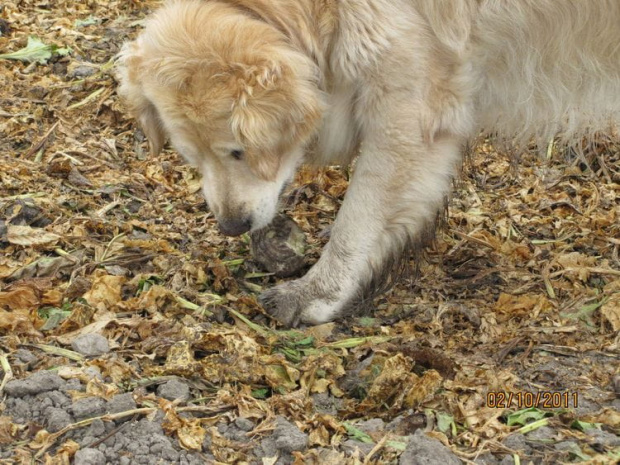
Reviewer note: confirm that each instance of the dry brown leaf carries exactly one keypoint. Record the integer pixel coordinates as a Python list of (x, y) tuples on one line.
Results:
[(191, 434), (390, 387), (18, 322), (8, 430), (27, 236), (105, 290), (21, 297), (180, 359), (526, 305), (422, 388)]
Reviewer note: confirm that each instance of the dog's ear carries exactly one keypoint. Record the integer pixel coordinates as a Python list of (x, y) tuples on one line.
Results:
[(129, 70), (273, 112)]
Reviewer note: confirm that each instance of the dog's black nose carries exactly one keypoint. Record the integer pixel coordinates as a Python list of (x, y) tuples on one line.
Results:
[(235, 226)]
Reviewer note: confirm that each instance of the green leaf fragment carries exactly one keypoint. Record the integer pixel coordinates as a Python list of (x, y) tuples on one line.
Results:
[(54, 316), (523, 417), (37, 51), (584, 425), (260, 393), (445, 423), (357, 434)]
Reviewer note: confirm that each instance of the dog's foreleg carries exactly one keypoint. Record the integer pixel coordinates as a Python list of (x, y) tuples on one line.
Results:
[(398, 188)]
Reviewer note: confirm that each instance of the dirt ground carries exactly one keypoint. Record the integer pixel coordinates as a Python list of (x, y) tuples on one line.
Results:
[(130, 331)]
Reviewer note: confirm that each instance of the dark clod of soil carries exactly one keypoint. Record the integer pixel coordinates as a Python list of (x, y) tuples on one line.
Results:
[(5, 28), (280, 247), (41, 381)]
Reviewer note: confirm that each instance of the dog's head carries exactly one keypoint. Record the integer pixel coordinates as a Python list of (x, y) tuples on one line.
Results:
[(231, 95)]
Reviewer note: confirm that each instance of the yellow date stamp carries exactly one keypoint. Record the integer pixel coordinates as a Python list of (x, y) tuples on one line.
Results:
[(529, 399)]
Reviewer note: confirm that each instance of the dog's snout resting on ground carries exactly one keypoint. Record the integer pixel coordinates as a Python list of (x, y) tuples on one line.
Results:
[(247, 90)]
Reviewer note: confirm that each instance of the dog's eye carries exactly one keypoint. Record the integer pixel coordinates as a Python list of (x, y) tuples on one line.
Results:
[(237, 154)]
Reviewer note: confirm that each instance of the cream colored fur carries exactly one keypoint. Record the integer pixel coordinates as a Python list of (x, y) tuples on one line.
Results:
[(403, 83)]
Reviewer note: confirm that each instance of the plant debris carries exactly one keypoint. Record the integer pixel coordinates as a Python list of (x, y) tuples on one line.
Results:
[(130, 330)]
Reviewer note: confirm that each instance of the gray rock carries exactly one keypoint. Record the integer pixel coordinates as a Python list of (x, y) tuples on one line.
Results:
[(57, 419), (88, 407), (486, 459), (41, 381), (516, 441), (324, 403), (373, 425), (566, 446), (73, 384), (25, 356), (91, 345), (423, 450), (89, 457), (244, 424), (288, 437), (96, 428), (266, 448), (121, 403), (542, 434), (351, 445), (173, 390), (82, 71), (603, 438)]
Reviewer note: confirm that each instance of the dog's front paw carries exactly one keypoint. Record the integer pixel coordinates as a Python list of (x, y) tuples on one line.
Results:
[(284, 303), (294, 302)]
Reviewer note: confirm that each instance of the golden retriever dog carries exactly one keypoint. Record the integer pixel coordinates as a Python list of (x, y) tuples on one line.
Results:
[(248, 90)]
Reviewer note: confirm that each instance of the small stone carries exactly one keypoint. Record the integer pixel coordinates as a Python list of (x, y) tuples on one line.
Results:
[(96, 428), (82, 71), (121, 403), (41, 381), (288, 437), (326, 404), (352, 445), (89, 457), (57, 419), (422, 449), (516, 442), (25, 356), (244, 424), (486, 459), (88, 407), (73, 384), (173, 390), (91, 345)]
